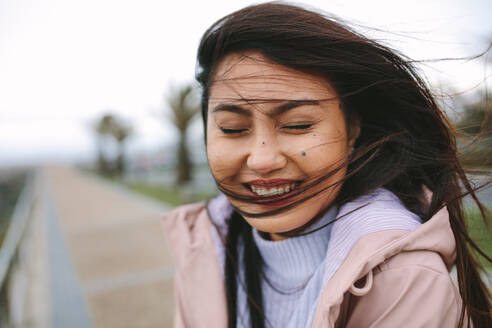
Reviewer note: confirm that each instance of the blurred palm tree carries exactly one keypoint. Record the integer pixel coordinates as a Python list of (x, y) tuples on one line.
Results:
[(184, 108), (110, 125), (103, 129), (121, 131)]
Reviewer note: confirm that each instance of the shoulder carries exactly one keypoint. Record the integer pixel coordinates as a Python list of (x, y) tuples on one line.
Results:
[(186, 227), (393, 268), (423, 260), (419, 269), (410, 289), (198, 285), (183, 216), (182, 220)]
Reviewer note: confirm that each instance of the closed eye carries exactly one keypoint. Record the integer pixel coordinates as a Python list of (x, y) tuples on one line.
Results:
[(232, 131), (298, 126)]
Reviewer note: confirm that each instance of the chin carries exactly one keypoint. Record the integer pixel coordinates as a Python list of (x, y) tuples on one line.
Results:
[(282, 222)]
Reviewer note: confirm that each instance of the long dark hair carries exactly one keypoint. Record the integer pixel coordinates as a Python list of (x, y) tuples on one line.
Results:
[(405, 142)]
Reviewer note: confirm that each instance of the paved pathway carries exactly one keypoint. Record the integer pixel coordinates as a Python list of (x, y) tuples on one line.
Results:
[(110, 265)]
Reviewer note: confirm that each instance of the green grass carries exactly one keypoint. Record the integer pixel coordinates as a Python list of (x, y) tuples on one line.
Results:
[(169, 196), (162, 194), (481, 234)]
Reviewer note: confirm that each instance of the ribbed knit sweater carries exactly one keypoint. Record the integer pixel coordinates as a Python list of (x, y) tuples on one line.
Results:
[(296, 269), (293, 276)]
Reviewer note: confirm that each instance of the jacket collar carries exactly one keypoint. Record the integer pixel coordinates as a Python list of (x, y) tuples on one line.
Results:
[(363, 221), (379, 210), (372, 243)]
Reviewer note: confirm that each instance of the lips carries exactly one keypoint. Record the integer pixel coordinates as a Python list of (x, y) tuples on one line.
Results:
[(273, 188), (272, 191)]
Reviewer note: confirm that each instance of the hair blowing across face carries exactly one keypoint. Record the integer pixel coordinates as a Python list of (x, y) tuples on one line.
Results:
[(405, 141)]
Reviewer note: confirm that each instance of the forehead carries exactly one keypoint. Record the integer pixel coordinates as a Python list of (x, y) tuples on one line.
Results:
[(250, 76)]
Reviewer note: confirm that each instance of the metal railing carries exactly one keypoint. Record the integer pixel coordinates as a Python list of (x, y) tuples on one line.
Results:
[(10, 246)]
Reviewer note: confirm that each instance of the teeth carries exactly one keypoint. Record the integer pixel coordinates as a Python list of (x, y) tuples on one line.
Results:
[(274, 191)]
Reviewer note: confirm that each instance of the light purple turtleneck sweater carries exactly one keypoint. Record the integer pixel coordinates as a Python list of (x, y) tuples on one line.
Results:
[(298, 268), (294, 273)]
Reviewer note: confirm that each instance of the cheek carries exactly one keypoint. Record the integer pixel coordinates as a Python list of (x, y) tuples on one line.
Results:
[(328, 156), (224, 157), (317, 152)]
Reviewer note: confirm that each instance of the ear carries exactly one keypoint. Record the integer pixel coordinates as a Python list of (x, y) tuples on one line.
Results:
[(353, 129)]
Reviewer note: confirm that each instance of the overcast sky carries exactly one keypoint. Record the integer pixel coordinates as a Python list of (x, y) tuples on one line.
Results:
[(64, 63)]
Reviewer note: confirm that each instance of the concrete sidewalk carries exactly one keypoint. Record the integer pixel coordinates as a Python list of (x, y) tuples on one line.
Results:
[(115, 255)]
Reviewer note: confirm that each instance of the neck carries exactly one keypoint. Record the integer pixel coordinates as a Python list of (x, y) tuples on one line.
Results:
[(278, 236)]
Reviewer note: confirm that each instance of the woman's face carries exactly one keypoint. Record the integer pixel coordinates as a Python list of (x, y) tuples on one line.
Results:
[(271, 130)]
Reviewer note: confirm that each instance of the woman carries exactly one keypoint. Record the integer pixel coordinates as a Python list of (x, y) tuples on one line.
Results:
[(341, 199)]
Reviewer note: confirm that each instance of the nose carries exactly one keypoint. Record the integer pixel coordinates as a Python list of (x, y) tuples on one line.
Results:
[(265, 155)]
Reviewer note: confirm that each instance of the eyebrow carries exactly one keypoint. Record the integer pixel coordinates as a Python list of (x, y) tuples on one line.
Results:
[(278, 110)]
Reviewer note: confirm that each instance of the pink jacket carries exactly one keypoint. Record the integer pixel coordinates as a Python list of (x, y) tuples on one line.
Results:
[(390, 278)]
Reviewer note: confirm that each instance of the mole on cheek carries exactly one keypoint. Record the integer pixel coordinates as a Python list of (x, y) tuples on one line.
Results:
[(303, 153)]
